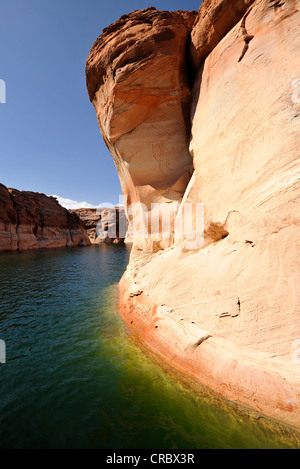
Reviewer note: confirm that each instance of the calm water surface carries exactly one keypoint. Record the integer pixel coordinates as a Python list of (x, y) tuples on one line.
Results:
[(73, 378)]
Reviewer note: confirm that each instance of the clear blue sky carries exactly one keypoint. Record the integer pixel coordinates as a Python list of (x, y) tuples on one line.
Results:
[(49, 137)]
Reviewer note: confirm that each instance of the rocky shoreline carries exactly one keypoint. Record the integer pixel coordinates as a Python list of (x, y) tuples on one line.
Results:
[(197, 108), (30, 220), (233, 372)]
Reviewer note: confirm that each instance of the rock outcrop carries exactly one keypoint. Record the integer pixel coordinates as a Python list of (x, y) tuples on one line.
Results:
[(30, 220), (198, 109), (105, 225), (138, 80), (216, 18)]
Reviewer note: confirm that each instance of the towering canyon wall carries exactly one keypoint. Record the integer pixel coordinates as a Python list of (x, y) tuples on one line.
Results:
[(30, 220), (198, 108), (138, 80)]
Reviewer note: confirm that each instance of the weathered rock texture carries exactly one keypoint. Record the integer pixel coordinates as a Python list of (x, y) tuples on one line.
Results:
[(226, 314), (216, 18), (107, 225), (30, 220), (138, 81)]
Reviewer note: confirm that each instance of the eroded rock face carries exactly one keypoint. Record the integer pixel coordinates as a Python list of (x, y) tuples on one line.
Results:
[(30, 220), (138, 81), (242, 288), (216, 18), (107, 225), (90, 219)]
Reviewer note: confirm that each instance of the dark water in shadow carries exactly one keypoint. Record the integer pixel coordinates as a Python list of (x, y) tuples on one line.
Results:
[(73, 379)]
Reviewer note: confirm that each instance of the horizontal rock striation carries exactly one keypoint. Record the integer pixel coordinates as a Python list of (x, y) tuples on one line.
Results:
[(30, 220), (225, 134)]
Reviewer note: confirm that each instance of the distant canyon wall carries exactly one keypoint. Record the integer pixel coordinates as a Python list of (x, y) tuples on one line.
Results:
[(105, 225), (29, 220), (198, 108)]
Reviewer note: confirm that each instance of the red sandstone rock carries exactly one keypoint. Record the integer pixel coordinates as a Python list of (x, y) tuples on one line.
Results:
[(90, 219), (30, 220), (216, 18)]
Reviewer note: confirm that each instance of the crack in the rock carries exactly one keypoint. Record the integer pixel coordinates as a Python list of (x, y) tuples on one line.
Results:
[(276, 3), (200, 341), (232, 315), (247, 37)]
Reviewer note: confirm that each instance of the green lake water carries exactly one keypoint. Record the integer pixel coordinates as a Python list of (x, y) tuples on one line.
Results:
[(73, 377)]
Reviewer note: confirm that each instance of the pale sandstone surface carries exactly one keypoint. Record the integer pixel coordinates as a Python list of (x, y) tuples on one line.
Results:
[(138, 81), (30, 220), (106, 225), (227, 314)]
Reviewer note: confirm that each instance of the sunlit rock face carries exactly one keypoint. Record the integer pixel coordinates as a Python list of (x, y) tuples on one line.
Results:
[(29, 220), (235, 149), (138, 81), (216, 18)]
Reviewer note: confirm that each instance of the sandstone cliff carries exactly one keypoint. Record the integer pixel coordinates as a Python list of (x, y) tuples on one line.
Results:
[(107, 225), (138, 81), (197, 108), (30, 220)]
